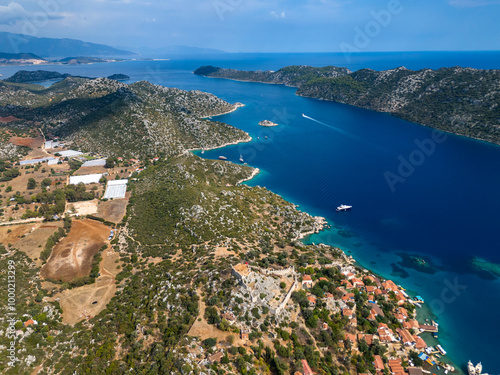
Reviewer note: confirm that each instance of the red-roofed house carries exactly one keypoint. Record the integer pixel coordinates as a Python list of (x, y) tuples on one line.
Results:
[(389, 285), (244, 333), (403, 312), (406, 337), (312, 301), (419, 342), (348, 313), (400, 298), (229, 316), (376, 310), (385, 334), (350, 275), (399, 317), (357, 283), (378, 363), (307, 281), (368, 338), (306, 369), (396, 367), (347, 284), (349, 337)]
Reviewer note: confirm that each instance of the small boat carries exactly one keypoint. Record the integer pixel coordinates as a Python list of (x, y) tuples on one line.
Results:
[(222, 158), (418, 299), (265, 137), (202, 151), (441, 350), (343, 207), (241, 158)]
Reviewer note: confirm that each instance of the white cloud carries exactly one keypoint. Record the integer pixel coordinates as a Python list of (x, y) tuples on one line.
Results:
[(278, 15), (11, 13), (472, 3)]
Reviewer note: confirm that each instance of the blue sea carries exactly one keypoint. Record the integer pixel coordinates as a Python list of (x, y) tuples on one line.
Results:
[(416, 194)]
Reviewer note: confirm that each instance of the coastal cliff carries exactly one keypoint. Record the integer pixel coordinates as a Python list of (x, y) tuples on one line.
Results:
[(459, 100)]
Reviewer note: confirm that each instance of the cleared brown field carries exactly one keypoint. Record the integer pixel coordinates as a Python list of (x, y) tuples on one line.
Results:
[(87, 301), (114, 210), (72, 256), (11, 234), (89, 170), (83, 208), (6, 120), (30, 142), (33, 243)]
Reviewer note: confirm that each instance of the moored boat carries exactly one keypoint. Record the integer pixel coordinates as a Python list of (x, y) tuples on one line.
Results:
[(222, 158)]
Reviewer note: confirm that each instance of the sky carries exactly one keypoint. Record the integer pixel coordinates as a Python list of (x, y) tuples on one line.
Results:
[(263, 25)]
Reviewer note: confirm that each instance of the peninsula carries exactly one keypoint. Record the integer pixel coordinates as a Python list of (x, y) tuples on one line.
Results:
[(458, 100), (28, 76)]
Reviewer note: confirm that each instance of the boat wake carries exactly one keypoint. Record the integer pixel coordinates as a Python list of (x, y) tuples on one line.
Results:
[(347, 134), (332, 127)]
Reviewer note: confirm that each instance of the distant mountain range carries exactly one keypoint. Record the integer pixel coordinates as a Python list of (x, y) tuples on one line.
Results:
[(55, 48)]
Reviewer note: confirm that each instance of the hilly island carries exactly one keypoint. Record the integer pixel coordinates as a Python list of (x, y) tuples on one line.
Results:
[(458, 100), (133, 255)]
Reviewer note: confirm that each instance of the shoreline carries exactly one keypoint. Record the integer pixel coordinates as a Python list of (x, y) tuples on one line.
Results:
[(235, 107), (422, 313), (232, 143), (255, 172), (248, 139), (368, 109), (320, 224)]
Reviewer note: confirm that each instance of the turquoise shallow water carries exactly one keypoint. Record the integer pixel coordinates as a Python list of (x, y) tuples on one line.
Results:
[(446, 210)]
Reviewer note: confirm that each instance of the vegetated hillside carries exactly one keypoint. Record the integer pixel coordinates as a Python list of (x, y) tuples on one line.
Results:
[(19, 56), (290, 75), (84, 60), (188, 200), (24, 76), (112, 118), (458, 100)]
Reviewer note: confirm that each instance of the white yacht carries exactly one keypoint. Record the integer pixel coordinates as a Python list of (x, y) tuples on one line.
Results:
[(343, 207)]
